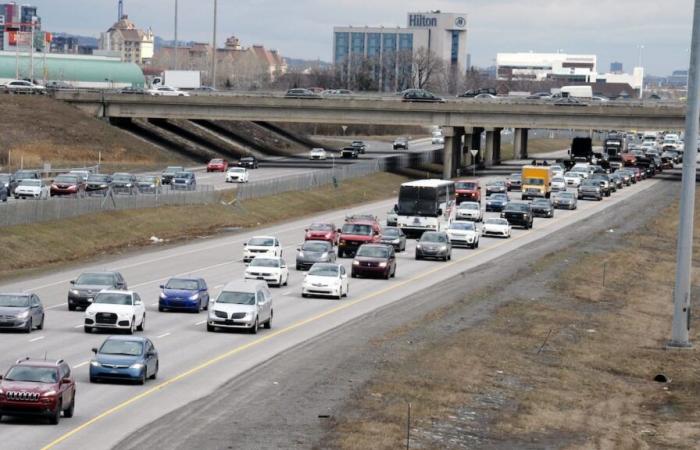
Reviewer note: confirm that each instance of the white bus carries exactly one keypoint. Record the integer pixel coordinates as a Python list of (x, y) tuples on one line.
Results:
[(425, 205)]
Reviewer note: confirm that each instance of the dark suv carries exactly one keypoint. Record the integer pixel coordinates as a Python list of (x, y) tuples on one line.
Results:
[(41, 388), (84, 289), (519, 214)]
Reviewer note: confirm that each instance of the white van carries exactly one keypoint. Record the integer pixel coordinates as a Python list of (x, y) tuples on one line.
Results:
[(577, 91)]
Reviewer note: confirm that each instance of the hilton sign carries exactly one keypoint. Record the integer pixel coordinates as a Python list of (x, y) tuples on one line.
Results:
[(419, 20)]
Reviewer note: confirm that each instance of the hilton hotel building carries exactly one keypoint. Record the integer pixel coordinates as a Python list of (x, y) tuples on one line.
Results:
[(445, 34)]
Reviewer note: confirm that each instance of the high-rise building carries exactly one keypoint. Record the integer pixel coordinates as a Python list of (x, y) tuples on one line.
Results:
[(16, 25)]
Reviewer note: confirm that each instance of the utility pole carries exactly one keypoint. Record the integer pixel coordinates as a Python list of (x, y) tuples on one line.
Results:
[(681, 291), (31, 52), (175, 62), (213, 59)]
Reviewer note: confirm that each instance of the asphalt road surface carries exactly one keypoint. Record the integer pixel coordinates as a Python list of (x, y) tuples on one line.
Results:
[(194, 363)]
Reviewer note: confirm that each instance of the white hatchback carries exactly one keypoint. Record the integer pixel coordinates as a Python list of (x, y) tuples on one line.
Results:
[(261, 245), (326, 279), (32, 189), (273, 270)]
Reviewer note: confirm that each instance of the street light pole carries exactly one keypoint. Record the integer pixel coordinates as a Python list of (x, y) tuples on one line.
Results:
[(213, 59), (641, 47), (681, 291), (175, 47)]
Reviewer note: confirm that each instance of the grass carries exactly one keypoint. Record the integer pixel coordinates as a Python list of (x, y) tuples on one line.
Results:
[(46, 245)]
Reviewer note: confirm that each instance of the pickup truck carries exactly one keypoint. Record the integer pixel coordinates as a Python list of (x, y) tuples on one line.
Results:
[(519, 214), (350, 152), (358, 230)]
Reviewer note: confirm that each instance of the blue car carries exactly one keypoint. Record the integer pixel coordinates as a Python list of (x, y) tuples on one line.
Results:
[(496, 202), (190, 294), (124, 358)]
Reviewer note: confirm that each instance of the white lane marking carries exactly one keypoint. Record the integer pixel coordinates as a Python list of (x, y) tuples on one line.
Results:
[(218, 286), (37, 339), (200, 269), (287, 293), (154, 304), (201, 322), (58, 305), (84, 363), (79, 326), (163, 335)]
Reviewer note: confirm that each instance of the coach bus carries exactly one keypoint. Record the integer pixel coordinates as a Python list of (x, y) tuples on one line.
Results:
[(425, 205)]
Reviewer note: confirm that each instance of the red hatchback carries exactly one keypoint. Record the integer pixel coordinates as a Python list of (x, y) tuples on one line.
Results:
[(38, 388), (217, 165), (468, 191), (322, 232)]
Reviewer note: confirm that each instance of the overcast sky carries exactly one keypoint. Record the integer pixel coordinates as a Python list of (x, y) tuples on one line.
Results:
[(612, 29)]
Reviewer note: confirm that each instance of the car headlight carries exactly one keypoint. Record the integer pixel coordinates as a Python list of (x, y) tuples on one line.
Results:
[(23, 315), (163, 296), (89, 312), (396, 241), (419, 246), (356, 263), (443, 248), (194, 297), (325, 255), (249, 315), (95, 364), (124, 315), (136, 366), (301, 254), (382, 264), (75, 292), (48, 393)]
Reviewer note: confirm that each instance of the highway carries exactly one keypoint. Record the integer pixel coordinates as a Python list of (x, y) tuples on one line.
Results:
[(194, 363)]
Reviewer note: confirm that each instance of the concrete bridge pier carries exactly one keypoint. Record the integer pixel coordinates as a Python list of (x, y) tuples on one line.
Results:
[(520, 143), (492, 153), (452, 152)]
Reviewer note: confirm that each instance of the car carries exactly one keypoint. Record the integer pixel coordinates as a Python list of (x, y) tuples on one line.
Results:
[(517, 213), (356, 231), (301, 93), (539, 96), (485, 96), (564, 200), (322, 231), (38, 388), (23, 87), (629, 173), (327, 280), (249, 162), (463, 233), (514, 182), (129, 90), (271, 269), (26, 175), (395, 237), (83, 174), (124, 183), (471, 93), (350, 152), (421, 96), (392, 216), (217, 165), (261, 245), (437, 139), (590, 188), (469, 211), (605, 184), (468, 190), (237, 175), (4, 193), (124, 358), (67, 185), (28, 188), (569, 101), (617, 180), (22, 312), (314, 251), (573, 179), (496, 202), (167, 91), (318, 153), (169, 172), (400, 143), (116, 310), (374, 260), (558, 184), (148, 184), (97, 184), (542, 207), (189, 294), (243, 305), (434, 244), (336, 92), (557, 170), (360, 146), (496, 187), (185, 181), (8, 181), (84, 288), (496, 227)]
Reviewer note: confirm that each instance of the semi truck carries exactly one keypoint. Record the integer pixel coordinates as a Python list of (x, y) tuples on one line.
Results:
[(537, 182), (615, 145), (178, 79)]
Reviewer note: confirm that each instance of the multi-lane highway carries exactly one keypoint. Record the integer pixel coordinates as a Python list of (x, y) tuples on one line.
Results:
[(194, 363)]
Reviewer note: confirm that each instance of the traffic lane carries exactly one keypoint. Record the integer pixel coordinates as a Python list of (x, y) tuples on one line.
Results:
[(407, 267)]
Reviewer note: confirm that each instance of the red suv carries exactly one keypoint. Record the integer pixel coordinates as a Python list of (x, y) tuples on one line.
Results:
[(322, 232), (33, 387), (68, 184), (468, 191), (358, 230)]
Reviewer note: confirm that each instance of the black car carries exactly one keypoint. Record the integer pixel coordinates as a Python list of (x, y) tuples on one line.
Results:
[(350, 152), (167, 176), (395, 237), (421, 96), (84, 289), (124, 183), (301, 93), (471, 93), (133, 91), (8, 183), (518, 214), (360, 146), (542, 207), (249, 162), (4, 193), (97, 184)]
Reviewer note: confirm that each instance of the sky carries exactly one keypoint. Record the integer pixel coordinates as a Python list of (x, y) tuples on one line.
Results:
[(615, 30)]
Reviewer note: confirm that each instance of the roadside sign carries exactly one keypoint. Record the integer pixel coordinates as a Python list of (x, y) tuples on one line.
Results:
[(474, 152)]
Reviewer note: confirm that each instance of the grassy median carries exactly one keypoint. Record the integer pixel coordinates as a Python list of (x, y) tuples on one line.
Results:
[(46, 245)]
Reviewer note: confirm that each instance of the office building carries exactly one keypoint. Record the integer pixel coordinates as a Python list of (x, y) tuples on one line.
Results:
[(16, 25), (544, 66)]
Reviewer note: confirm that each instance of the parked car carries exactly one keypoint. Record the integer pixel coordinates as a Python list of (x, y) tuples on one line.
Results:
[(468, 191), (23, 87), (496, 202), (395, 237), (301, 93), (374, 260), (326, 279), (167, 91), (400, 143), (84, 288), (350, 152), (243, 305), (496, 227), (496, 187), (261, 245), (271, 269), (356, 231), (542, 207), (469, 211), (434, 244), (22, 312), (97, 184), (519, 214), (237, 175), (38, 388), (67, 185), (189, 294), (169, 172), (124, 358), (312, 252), (360, 146), (217, 165), (148, 184), (564, 200), (463, 233), (116, 310), (318, 153), (249, 162), (29, 188), (124, 183), (422, 96), (184, 181)]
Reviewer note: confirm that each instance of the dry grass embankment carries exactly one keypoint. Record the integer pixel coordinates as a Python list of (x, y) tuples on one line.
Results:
[(567, 363), (44, 245)]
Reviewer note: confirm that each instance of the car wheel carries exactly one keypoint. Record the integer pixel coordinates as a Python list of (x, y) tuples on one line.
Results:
[(160, 309), (71, 409), (286, 281), (353, 275), (340, 294), (303, 295), (298, 267), (56, 414), (94, 379), (211, 327), (29, 327), (254, 328), (88, 329), (199, 306), (132, 327), (268, 324), (341, 253), (155, 373), (41, 324), (143, 324), (142, 378)]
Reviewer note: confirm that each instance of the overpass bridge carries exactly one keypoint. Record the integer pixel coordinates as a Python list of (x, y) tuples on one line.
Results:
[(463, 120)]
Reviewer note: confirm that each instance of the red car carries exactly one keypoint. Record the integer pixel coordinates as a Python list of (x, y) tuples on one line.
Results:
[(217, 165), (356, 231), (67, 184), (374, 260), (468, 191), (322, 232), (38, 388)]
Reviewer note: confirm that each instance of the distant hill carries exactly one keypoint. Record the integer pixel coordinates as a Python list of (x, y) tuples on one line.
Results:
[(301, 64)]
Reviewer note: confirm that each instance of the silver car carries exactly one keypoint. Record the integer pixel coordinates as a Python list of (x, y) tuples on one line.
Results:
[(243, 305), (22, 312), (313, 251), (564, 200)]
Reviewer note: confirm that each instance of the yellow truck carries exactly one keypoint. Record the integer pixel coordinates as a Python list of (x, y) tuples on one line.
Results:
[(537, 181)]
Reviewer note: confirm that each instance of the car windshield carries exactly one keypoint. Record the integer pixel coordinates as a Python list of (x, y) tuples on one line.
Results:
[(520, 207), (30, 183), (495, 221), (119, 347), (237, 170), (541, 202), (121, 177), (470, 206), (355, 228), (465, 186), (183, 175), (4, 178), (433, 237), (247, 159), (14, 301), (237, 298), (566, 195), (557, 180), (391, 232), (25, 174), (66, 179), (534, 181), (216, 161), (462, 226), (98, 279), (98, 178), (264, 262), (261, 242), (515, 176), (32, 374), (113, 298), (183, 285), (324, 270), (316, 247), (498, 197), (321, 227), (497, 183), (373, 252), (147, 179)]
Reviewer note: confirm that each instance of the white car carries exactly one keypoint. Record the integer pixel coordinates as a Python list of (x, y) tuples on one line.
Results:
[(318, 153), (32, 189), (496, 227), (326, 279), (242, 304), (558, 184), (22, 86), (116, 310), (557, 170), (469, 211), (273, 270), (261, 245), (167, 91), (574, 179), (463, 233), (237, 175)]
